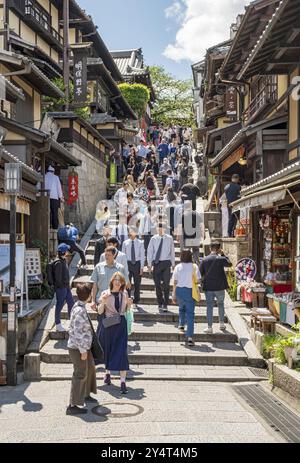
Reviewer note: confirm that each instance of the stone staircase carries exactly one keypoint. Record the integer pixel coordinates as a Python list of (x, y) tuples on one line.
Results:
[(156, 348)]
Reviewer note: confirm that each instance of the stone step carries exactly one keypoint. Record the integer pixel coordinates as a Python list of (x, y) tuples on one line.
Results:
[(149, 331), (162, 353), (90, 251), (64, 372), (150, 313)]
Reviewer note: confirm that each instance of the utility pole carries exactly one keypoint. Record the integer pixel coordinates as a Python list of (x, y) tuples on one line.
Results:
[(66, 58)]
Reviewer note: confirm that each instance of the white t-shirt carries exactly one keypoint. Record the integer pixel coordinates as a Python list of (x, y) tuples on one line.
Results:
[(169, 182), (183, 274)]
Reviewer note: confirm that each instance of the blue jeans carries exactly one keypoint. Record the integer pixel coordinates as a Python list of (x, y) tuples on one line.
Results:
[(63, 295), (210, 298), (186, 309)]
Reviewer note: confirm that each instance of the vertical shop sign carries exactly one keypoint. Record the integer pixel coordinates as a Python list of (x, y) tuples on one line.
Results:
[(231, 103), (73, 188), (80, 75)]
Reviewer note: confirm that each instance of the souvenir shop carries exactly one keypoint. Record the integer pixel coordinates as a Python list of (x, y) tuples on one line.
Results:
[(271, 277)]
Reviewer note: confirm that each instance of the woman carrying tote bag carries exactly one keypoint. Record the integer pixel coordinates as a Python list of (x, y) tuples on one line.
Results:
[(114, 304), (185, 292)]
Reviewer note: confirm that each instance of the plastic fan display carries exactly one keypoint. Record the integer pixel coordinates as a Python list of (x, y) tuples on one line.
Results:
[(246, 269)]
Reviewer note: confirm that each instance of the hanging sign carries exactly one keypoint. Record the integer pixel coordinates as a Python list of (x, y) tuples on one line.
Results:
[(231, 102), (73, 187), (80, 75)]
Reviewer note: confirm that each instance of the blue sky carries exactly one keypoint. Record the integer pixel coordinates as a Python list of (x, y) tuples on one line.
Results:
[(125, 24)]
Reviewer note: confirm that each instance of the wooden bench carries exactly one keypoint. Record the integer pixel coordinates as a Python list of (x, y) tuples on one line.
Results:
[(267, 323)]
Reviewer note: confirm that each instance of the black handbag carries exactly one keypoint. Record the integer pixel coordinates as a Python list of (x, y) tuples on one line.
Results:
[(96, 349)]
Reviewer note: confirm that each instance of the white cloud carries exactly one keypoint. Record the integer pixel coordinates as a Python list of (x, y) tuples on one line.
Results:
[(175, 11), (203, 24)]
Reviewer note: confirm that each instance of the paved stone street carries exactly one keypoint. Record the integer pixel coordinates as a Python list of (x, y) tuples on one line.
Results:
[(155, 412)]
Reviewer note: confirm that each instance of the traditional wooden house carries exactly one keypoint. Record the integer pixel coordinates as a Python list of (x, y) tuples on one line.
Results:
[(132, 67), (273, 200)]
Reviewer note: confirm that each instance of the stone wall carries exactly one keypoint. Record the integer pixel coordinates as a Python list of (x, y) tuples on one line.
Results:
[(92, 188), (235, 248)]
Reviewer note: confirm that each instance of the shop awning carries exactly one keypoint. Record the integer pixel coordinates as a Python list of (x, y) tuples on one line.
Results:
[(265, 197), (23, 206)]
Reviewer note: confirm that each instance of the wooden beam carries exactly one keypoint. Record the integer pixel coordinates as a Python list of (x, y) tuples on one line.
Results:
[(293, 35)]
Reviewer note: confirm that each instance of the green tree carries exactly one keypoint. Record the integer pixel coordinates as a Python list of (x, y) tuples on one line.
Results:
[(174, 98), (57, 104), (137, 96)]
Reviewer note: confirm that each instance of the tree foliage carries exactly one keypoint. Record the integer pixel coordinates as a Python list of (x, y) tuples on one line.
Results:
[(137, 96), (174, 98), (57, 104)]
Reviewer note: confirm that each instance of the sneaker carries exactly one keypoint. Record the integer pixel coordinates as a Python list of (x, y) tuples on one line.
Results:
[(107, 379), (165, 308), (190, 342), (160, 307), (181, 329), (208, 331), (85, 267), (124, 389), (222, 327), (91, 400), (60, 328), (76, 410)]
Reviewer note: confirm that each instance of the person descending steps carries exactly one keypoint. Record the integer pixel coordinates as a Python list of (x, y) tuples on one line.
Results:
[(161, 258)]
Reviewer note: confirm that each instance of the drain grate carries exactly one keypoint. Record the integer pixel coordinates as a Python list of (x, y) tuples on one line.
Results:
[(260, 372), (276, 414)]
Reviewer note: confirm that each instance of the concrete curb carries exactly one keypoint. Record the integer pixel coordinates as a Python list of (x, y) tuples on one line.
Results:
[(244, 337)]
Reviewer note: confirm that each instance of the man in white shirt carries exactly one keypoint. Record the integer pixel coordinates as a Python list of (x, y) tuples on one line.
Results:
[(133, 248), (142, 151), (120, 257), (120, 197), (146, 227), (121, 230), (53, 185), (169, 182), (160, 258)]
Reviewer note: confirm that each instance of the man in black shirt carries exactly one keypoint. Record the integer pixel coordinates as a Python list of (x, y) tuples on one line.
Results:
[(61, 281), (233, 193), (101, 245), (214, 281), (192, 192)]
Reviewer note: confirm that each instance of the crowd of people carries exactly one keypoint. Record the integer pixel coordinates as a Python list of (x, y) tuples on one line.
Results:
[(142, 240)]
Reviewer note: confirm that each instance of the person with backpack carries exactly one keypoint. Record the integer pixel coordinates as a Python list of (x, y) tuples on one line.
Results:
[(58, 276), (169, 182), (69, 236)]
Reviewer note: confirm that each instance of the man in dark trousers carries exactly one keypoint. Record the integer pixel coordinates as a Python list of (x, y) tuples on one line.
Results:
[(61, 280), (160, 259), (192, 192), (134, 250), (101, 245), (214, 282), (233, 193)]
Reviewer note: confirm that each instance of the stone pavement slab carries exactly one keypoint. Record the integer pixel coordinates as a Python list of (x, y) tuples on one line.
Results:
[(152, 411)]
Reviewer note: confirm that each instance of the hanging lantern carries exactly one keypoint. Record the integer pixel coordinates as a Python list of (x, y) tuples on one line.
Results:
[(72, 187)]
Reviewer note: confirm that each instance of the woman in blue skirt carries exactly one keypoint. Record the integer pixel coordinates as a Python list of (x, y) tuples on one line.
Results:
[(114, 338)]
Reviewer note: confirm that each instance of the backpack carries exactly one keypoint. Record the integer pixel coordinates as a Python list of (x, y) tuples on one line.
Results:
[(64, 233), (50, 272)]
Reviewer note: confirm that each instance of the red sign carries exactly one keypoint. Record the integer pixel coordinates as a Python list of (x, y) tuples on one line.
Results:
[(73, 188)]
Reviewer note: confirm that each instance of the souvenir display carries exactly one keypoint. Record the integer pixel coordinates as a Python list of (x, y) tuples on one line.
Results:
[(246, 270)]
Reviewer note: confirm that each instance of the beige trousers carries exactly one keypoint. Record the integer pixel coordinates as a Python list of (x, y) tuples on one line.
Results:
[(84, 378)]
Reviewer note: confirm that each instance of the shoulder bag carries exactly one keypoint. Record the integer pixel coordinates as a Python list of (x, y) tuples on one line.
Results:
[(114, 320), (195, 288), (96, 349)]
